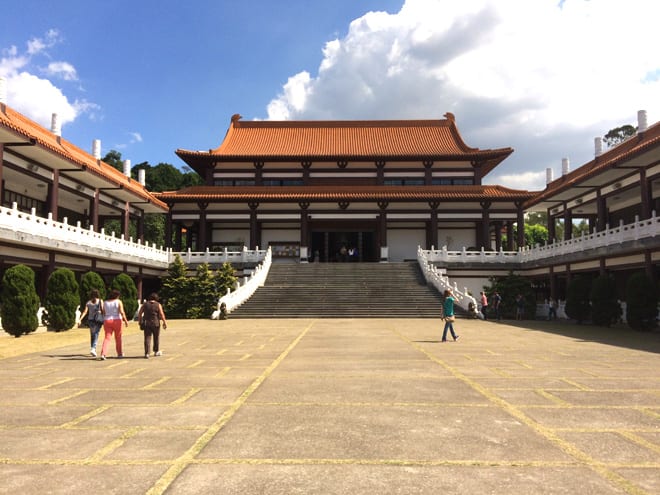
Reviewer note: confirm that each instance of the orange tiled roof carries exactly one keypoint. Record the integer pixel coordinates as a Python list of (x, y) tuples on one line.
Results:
[(29, 129), (613, 157), (347, 193), (360, 139)]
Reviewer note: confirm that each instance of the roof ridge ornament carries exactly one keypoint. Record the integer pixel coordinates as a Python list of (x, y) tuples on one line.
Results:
[(236, 117), (450, 116)]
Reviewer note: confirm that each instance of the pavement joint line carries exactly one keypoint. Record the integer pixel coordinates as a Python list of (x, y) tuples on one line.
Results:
[(59, 382), (245, 356), (221, 352), (647, 411), (577, 385), (185, 342), (193, 391), (136, 371), (70, 396), (640, 441), (85, 417), (373, 404), (545, 432), (524, 365), (187, 457), (222, 372), (160, 381), (385, 462), (586, 372), (195, 364), (547, 395), (112, 446), (501, 373)]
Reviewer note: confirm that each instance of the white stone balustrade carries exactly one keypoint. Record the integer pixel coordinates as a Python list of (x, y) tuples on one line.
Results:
[(639, 229), (215, 257), (31, 229), (440, 281), (243, 292)]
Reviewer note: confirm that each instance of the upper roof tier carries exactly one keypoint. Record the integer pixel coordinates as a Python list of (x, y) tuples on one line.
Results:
[(437, 140)]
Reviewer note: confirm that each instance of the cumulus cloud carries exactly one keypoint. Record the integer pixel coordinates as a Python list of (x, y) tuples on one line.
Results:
[(30, 89), (543, 77)]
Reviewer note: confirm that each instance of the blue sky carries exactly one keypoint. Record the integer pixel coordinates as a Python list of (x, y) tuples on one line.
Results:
[(150, 76)]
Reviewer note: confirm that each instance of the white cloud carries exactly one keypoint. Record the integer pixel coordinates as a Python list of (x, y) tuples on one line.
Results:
[(136, 137), (544, 77), (34, 95), (63, 70)]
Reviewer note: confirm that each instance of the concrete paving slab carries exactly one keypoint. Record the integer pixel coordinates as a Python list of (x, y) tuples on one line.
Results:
[(335, 406)]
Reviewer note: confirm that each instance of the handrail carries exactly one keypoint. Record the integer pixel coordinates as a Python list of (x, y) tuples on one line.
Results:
[(242, 293), (441, 282), (639, 229), (31, 229), (244, 256)]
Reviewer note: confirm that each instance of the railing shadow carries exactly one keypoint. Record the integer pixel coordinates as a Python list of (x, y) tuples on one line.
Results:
[(619, 335)]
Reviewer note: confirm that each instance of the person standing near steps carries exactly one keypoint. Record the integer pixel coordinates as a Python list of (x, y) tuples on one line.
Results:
[(448, 309), (113, 316)]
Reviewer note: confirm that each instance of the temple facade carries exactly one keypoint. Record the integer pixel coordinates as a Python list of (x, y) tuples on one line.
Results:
[(345, 191)]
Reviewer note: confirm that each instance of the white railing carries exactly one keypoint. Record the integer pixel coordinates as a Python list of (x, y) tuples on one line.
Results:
[(244, 291), (440, 281), (31, 229), (245, 256), (639, 229)]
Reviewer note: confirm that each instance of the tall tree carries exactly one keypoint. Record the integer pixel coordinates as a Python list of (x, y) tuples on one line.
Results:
[(618, 135)]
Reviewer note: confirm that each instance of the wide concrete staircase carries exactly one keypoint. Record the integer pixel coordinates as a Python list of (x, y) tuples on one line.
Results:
[(343, 290)]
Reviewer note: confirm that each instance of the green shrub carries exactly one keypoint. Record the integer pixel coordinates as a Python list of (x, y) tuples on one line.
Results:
[(604, 305), (509, 287), (577, 299), (20, 302), (641, 302), (174, 289), (128, 293), (61, 300), (89, 281)]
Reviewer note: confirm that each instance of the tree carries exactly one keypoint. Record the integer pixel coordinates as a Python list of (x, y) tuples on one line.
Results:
[(577, 299), (127, 293), (604, 305), (62, 299), (203, 294), (509, 287), (113, 158), (618, 135), (20, 302), (641, 302), (174, 288), (225, 279)]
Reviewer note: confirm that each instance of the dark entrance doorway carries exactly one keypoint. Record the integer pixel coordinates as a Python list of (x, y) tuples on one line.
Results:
[(343, 246)]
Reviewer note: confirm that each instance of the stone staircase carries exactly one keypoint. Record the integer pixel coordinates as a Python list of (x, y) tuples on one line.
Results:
[(343, 290)]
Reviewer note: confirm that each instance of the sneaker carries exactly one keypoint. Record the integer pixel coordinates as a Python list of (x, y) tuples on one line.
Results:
[(102, 357), (159, 353), (119, 356), (93, 352), (443, 340), (456, 338), (146, 356)]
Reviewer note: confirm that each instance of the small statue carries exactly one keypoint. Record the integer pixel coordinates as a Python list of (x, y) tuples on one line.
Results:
[(223, 311)]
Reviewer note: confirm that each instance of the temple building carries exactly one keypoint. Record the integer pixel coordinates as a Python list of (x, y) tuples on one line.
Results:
[(345, 190)]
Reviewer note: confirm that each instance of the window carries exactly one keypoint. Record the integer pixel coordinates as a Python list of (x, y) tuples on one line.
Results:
[(403, 182), (448, 181)]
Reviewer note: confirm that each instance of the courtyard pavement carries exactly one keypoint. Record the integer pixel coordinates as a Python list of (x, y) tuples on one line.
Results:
[(337, 406)]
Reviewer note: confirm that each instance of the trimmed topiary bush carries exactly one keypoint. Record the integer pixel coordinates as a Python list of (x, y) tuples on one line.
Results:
[(604, 305), (89, 281), (577, 299), (61, 300), (20, 302), (641, 302), (174, 289), (128, 293)]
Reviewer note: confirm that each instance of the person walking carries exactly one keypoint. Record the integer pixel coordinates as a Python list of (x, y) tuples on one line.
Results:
[(113, 316), (552, 309), (94, 311), (497, 303), (150, 316), (448, 311), (520, 307), (484, 305)]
